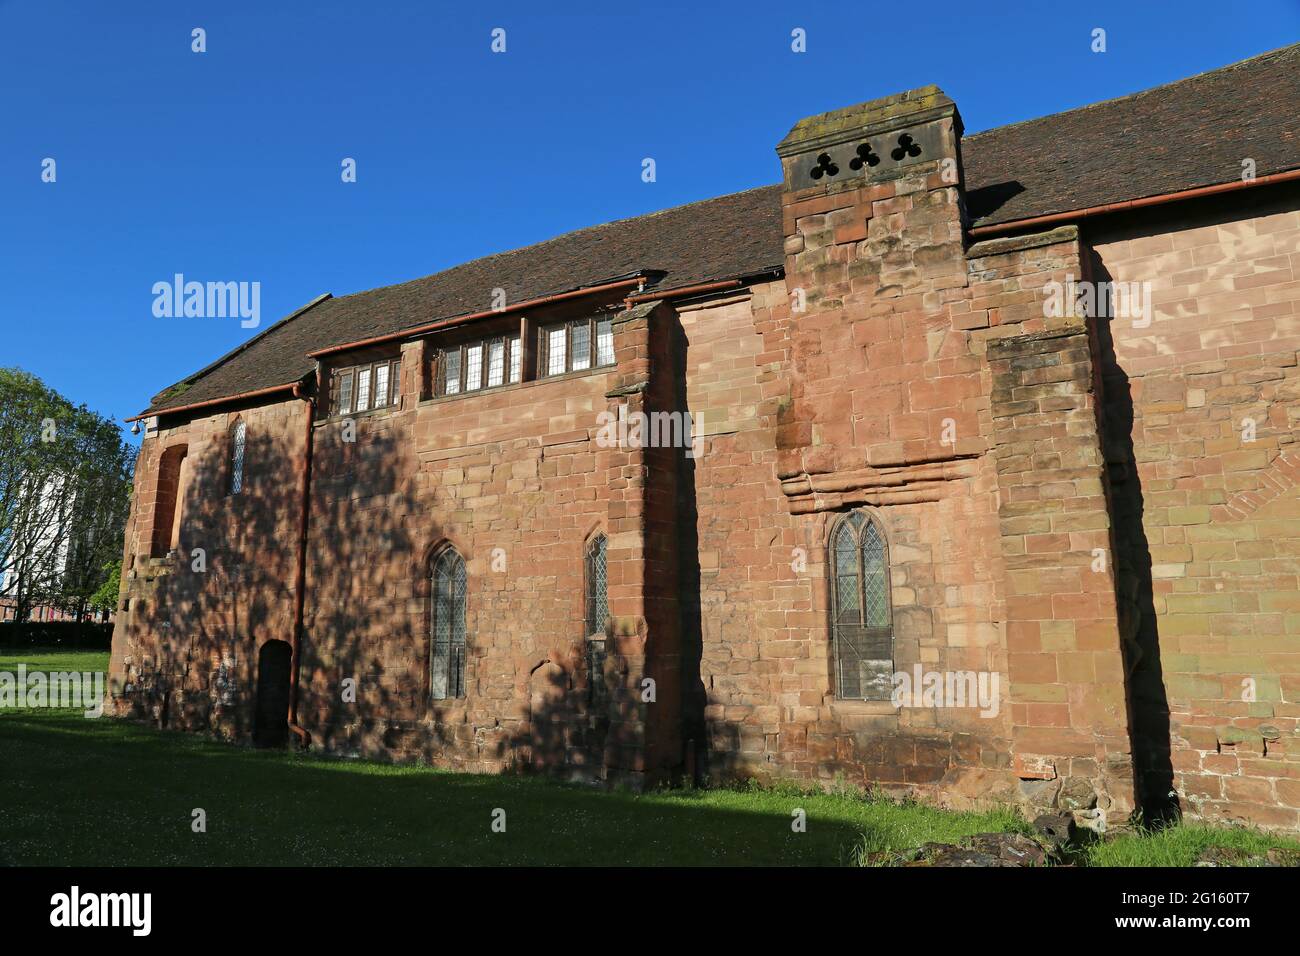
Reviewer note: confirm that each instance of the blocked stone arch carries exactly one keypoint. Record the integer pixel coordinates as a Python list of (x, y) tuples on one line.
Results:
[(168, 499), (824, 384), (549, 702)]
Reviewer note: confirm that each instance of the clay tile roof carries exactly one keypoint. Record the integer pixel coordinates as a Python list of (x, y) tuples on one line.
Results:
[(1194, 132), (724, 238)]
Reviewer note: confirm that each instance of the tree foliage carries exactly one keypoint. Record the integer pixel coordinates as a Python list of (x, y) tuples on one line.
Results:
[(106, 595), (65, 492)]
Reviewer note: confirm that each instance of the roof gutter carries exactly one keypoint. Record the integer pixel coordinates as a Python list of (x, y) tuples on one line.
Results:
[(684, 290), (462, 319), (1076, 214), (256, 393)]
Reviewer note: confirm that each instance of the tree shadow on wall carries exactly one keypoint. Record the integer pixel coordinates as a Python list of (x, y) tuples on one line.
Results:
[(365, 656), (213, 617), (1139, 625), (364, 664), (226, 589), (586, 726), (579, 726)]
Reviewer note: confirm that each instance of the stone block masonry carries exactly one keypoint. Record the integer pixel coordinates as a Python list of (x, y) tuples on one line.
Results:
[(1201, 411), (1093, 519), (1066, 669)]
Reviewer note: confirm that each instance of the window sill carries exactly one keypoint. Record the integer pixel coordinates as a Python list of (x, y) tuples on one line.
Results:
[(863, 708), (451, 711), (368, 413), (491, 390)]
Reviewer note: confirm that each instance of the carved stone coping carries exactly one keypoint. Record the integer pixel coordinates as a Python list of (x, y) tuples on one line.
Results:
[(885, 115), (885, 139)]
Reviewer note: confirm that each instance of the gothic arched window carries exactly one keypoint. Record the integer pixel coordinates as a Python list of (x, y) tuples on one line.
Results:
[(238, 439), (861, 617), (447, 626), (597, 614)]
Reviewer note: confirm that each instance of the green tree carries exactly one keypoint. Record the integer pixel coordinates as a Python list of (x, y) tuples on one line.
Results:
[(65, 477), (106, 595), (97, 510)]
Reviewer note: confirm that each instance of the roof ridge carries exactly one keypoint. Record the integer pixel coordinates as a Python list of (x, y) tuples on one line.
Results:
[(1293, 48)]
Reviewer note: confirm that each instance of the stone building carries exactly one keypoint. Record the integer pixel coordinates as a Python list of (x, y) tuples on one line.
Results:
[(954, 465)]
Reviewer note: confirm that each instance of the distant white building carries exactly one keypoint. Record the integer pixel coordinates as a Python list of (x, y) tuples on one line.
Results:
[(49, 548)]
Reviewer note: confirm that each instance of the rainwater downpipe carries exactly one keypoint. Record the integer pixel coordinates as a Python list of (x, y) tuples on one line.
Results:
[(300, 576)]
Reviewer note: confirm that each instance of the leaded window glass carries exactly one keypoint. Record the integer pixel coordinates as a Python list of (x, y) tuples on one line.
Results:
[(555, 350), (496, 362), (575, 346), (604, 342), (580, 346), (363, 388), (861, 617), (238, 441), (597, 615), (359, 388), (447, 624), (473, 366)]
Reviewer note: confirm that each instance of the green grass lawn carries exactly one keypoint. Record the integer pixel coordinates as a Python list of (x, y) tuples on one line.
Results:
[(107, 792), (54, 659), (1180, 845)]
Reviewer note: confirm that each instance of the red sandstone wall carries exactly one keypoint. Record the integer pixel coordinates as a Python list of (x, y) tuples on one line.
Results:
[(188, 640), (515, 480), (805, 414), (509, 478), (766, 658), (920, 381), (1210, 521)]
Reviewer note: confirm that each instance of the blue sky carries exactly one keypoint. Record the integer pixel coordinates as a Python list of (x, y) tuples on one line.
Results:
[(225, 165)]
